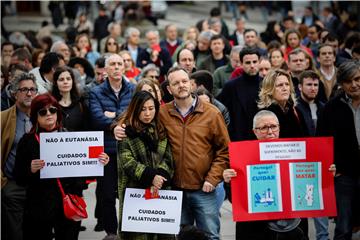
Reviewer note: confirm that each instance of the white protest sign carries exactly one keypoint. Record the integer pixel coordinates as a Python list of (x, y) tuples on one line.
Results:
[(160, 215), (71, 154), (282, 150)]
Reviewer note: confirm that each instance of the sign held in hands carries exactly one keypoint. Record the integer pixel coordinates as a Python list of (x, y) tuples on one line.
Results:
[(71, 154)]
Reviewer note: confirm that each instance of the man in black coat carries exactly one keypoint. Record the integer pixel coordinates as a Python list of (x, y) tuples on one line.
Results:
[(100, 25), (240, 96)]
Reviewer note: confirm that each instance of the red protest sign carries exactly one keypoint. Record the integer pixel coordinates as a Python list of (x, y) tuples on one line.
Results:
[(282, 178)]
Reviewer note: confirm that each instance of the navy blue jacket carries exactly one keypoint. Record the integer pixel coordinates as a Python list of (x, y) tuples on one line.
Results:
[(102, 98), (140, 50)]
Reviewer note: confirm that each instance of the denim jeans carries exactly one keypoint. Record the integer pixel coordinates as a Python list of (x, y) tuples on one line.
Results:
[(347, 190), (200, 207), (220, 195), (321, 227)]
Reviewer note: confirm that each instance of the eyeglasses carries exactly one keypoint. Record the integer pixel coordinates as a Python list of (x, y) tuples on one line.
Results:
[(111, 43), (52, 110), (27, 90), (265, 129)]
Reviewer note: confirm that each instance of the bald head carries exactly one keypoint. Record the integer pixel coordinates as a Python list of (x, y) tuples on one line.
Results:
[(186, 60)]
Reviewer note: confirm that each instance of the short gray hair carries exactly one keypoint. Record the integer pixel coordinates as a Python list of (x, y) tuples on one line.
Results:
[(206, 35), (130, 30), (108, 57), (236, 49), (111, 25), (149, 67), (261, 114), (153, 31), (347, 71), (22, 77), (56, 45)]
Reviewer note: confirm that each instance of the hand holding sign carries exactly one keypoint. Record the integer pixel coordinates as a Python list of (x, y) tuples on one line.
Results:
[(36, 165), (104, 158), (158, 181), (332, 169), (228, 174), (156, 49)]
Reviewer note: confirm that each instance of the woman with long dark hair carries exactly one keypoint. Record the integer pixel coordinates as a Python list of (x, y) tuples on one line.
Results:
[(144, 157), (74, 110)]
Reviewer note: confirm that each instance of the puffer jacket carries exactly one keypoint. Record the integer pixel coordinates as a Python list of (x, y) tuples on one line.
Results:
[(199, 145), (102, 98)]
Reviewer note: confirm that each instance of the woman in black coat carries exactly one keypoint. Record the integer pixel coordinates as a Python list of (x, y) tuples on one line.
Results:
[(277, 94), (44, 214), (74, 110)]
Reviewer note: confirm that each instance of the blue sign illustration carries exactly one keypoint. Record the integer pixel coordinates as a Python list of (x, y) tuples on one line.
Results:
[(305, 181), (264, 190)]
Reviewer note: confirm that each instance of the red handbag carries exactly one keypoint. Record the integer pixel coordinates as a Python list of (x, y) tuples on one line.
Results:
[(74, 205)]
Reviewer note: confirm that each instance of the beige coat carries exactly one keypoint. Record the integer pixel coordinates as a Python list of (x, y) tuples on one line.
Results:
[(8, 126)]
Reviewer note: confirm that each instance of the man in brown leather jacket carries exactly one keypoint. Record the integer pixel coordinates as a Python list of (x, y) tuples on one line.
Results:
[(199, 142)]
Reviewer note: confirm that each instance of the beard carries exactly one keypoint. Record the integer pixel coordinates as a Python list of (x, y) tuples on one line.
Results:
[(182, 97), (308, 97)]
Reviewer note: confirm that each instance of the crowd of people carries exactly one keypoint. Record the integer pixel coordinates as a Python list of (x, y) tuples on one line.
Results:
[(169, 108)]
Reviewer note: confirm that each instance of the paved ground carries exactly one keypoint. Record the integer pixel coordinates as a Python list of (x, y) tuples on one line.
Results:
[(184, 15), (227, 225)]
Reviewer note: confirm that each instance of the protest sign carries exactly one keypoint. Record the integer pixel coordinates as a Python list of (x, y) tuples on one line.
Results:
[(71, 154), (157, 215), (282, 178)]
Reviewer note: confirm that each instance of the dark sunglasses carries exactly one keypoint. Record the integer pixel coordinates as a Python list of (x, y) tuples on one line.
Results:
[(52, 110)]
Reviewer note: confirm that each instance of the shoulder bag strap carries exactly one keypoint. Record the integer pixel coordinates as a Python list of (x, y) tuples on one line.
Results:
[(58, 180), (60, 187)]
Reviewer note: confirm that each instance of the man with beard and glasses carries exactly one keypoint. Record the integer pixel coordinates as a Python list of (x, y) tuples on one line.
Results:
[(15, 122)]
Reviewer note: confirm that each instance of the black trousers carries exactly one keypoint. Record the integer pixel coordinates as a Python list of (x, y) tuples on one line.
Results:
[(46, 228), (99, 201), (12, 211), (109, 185), (258, 230)]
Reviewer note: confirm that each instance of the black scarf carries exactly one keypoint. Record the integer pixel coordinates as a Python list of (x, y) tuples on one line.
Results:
[(148, 135)]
